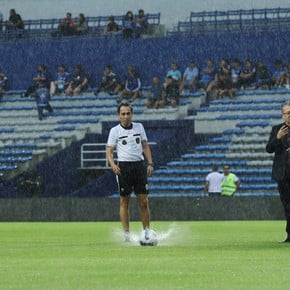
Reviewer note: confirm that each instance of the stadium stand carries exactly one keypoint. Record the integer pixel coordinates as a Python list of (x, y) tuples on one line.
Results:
[(45, 27), (231, 131), (25, 140), (268, 19)]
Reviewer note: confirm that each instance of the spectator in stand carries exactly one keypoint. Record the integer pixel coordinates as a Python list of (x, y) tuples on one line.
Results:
[(224, 86), (140, 23), (247, 76), (190, 78), (263, 79), (109, 82), (61, 81), (221, 85), (207, 74), (128, 25), (235, 72), (170, 93), (15, 21), (82, 26), (66, 26), (230, 182), (213, 182), (78, 83), (42, 98), (112, 27), (3, 84), (132, 85), (41, 80), (287, 75), (154, 99), (278, 76), (175, 74), (1, 21)]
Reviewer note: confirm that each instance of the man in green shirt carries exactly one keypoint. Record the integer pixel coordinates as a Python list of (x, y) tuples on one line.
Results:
[(230, 182)]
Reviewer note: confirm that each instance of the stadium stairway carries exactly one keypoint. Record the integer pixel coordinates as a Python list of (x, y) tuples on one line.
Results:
[(240, 128), (24, 140)]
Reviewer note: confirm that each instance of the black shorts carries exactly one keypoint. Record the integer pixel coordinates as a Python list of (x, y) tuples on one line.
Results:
[(133, 178)]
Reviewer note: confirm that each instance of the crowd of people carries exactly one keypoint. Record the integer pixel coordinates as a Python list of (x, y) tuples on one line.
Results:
[(133, 26), (216, 81)]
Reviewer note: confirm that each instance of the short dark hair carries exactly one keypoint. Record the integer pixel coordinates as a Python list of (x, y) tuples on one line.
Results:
[(123, 104)]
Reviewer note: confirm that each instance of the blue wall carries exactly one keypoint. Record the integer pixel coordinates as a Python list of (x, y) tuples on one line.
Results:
[(19, 58)]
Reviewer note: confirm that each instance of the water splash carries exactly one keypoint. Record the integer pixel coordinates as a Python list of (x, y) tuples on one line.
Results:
[(174, 234)]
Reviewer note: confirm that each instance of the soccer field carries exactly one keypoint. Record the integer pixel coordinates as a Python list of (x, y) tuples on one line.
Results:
[(190, 255)]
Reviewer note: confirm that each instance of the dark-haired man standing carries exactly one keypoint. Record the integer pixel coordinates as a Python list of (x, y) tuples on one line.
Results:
[(279, 144), (130, 140)]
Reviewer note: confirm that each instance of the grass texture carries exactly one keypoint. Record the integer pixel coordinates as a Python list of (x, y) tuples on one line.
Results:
[(190, 255)]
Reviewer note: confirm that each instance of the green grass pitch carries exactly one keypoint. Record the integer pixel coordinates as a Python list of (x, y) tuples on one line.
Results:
[(190, 255)]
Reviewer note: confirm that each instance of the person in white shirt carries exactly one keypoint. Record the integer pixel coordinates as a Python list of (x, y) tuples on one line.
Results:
[(130, 140), (213, 182)]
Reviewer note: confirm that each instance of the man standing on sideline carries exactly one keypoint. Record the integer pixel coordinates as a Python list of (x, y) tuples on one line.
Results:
[(230, 182), (131, 143), (213, 182), (279, 144)]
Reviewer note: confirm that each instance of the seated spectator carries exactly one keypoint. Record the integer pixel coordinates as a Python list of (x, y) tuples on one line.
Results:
[(235, 72), (15, 21), (1, 21), (190, 78), (66, 26), (61, 81), (219, 87), (140, 23), (81, 26), (278, 76), (174, 73), (41, 80), (42, 98), (128, 25), (78, 82), (263, 79), (109, 82), (207, 74), (3, 84), (287, 75), (112, 26), (247, 75), (224, 86), (132, 85), (154, 99), (170, 93)]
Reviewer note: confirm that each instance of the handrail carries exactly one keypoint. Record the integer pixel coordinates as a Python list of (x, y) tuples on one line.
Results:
[(96, 155)]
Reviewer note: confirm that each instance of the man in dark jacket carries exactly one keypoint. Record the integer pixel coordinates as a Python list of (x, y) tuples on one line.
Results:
[(279, 144)]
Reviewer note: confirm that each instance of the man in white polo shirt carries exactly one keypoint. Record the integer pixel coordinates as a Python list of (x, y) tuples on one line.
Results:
[(130, 140), (213, 182)]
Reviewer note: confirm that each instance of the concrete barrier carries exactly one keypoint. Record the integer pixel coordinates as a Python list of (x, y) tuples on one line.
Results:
[(162, 209)]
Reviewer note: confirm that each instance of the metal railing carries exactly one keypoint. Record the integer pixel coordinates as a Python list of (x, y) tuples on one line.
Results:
[(93, 155)]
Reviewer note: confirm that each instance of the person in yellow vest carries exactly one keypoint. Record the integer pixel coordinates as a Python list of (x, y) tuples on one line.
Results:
[(230, 182)]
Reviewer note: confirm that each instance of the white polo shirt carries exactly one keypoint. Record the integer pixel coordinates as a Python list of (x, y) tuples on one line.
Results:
[(215, 181), (128, 142)]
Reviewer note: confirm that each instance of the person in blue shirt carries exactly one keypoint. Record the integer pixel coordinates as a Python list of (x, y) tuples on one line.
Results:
[(140, 23), (132, 85), (128, 25), (154, 98), (41, 80), (61, 80), (42, 98)]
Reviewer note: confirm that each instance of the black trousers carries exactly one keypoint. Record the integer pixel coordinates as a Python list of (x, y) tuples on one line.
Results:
[(284, 191)]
